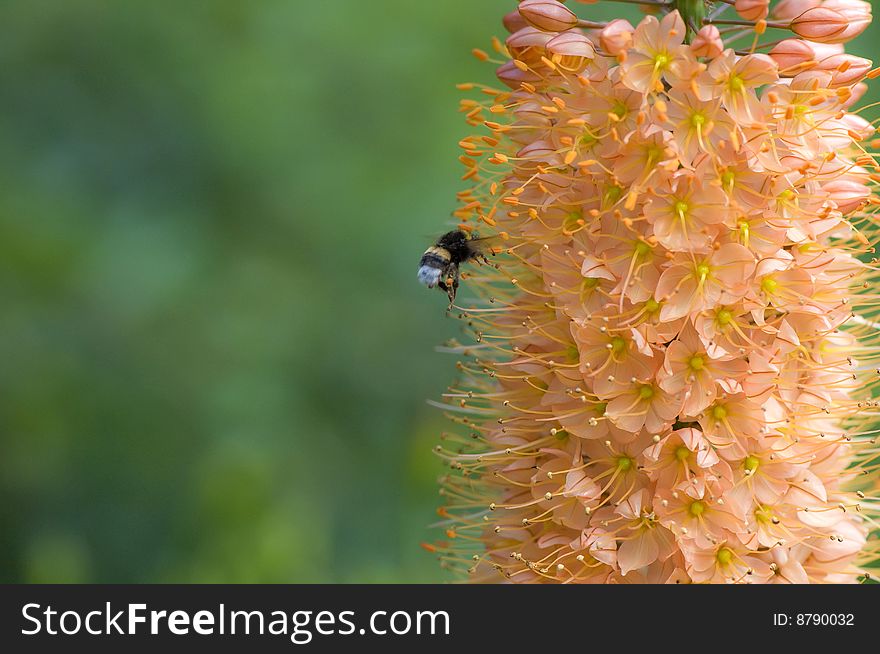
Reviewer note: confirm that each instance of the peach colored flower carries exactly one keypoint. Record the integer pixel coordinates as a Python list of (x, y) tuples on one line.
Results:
[(657, 53), (676, 458), (698, 512), (692, 284), (642, 404), (725, 562), (684, 214), (642, 540), (735, 81), (699, 372), (698, 127)]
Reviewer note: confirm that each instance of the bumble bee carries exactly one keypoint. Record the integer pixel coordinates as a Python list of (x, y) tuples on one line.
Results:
[(439, 264)]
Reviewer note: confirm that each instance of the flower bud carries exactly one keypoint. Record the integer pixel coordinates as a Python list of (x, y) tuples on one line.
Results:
[(823, 50), (788, 9), (533, 154), (845, 69), (849, 194), (548, 15), (820, 24), (858, 126), (571, 45), (513, 76), (858, 92), (616, 36), (528, 44), (707, 42), (856, 13), (792, 53), (752, 9), (513, 22)]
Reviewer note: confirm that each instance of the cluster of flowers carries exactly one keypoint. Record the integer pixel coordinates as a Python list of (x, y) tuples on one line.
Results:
[(672, 379)]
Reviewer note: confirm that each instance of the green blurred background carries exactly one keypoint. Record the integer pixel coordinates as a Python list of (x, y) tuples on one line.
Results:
[(214, 354)]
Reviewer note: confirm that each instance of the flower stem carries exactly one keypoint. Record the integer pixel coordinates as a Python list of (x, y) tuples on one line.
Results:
[(591, 24), (746, 23), (694, 14)]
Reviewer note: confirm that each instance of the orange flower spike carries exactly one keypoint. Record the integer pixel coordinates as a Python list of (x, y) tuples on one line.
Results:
[(674, 347)]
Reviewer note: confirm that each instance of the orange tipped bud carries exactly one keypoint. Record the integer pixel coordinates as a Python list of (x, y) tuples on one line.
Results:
[(707, 42), (845, 69), (616, 36), (548, 15), (792, 53), (848, 194)]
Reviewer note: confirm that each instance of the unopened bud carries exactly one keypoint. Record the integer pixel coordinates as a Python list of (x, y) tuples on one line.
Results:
[(822, 50), (752, 9), (616, 36), (788, 9), (856, 93), (792, 53), (849, 194), (857, 14), (514, 77), (513, 22), (845, 69), (707, 42), (548, 15), (820, 24)]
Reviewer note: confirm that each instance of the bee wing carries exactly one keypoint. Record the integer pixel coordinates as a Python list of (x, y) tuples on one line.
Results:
[(486, 244)]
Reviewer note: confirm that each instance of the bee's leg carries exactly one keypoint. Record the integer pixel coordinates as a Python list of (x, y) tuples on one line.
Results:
[(451, 273)]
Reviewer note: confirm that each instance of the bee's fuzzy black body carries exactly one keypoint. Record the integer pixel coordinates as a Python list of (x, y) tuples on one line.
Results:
[(439, 264)]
